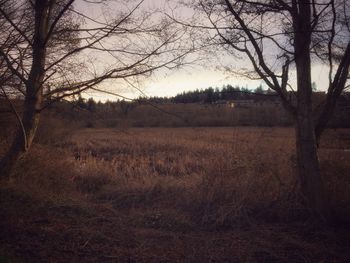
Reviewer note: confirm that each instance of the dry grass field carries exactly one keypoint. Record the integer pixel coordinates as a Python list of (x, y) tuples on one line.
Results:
[(173, 195)]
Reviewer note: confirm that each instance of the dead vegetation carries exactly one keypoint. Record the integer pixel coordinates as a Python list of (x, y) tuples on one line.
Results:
[(172, 195)]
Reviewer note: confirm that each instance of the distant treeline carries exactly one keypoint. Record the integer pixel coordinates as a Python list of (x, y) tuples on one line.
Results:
[(208, 95), (211, 95), (226, 106)]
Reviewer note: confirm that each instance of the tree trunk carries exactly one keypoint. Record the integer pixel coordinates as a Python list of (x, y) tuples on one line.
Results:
[(21, 142), (307, 159), (308, 166), (34, 90), (306, 144)]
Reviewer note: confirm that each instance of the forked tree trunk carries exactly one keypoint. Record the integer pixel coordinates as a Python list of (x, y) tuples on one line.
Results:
[(34, 91), (307, 158), (306, 144)]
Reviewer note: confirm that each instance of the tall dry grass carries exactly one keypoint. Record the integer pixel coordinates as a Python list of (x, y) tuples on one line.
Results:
[(216, 175), (177, 194)]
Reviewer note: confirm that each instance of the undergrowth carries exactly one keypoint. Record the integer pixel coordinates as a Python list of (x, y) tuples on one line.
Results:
[(198, 187)]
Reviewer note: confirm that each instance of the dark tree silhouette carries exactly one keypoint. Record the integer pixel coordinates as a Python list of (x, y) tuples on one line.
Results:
[(275, 36), (54, 50)]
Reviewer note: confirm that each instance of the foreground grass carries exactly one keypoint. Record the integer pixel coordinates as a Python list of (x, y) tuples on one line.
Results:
[(173, 195)]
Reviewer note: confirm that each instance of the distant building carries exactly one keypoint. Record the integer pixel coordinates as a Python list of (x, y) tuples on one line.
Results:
[(222, 103), (249, 103), (242, 103)]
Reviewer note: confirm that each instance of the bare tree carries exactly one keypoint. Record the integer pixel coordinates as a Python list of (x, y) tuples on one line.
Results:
[(278, 37), (53, 49)]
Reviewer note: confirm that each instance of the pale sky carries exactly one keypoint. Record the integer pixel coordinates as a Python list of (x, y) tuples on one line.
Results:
[(177, 81), (172, 82)]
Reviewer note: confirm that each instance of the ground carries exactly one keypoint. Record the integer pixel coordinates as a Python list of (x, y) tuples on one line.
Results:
[(173, 195)]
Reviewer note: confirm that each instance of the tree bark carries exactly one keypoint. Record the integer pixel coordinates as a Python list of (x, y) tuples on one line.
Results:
[(307, 159), (34, 91), (21, 143), (311, 183)]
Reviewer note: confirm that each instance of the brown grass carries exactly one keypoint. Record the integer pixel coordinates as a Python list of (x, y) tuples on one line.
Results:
[(173, 195)]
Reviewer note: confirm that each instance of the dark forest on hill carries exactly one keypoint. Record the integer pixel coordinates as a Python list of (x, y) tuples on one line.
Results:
[(212, 95), (226, 106)]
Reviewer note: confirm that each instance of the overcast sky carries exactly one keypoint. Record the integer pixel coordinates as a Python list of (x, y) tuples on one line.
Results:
[(172, 82)]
